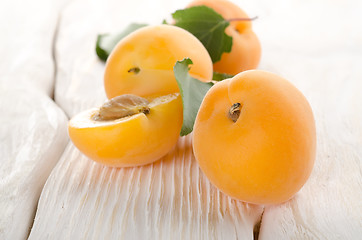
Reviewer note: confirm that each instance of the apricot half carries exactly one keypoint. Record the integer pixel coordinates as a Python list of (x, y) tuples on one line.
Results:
[(255, 138), (128, 131), (246, 51), (142, 63)]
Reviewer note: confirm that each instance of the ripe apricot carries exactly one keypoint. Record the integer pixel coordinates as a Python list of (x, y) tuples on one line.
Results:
[(142, 63), (129, 131), (246, 51), (255, 138)]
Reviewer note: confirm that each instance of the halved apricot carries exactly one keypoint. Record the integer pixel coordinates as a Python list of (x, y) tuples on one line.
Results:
[(128, 130)]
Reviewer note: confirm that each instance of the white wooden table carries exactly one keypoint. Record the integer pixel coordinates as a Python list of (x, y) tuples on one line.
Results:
[(49, 72)]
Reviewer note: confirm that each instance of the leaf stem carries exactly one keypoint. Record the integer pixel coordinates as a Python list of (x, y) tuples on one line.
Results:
[(241, 19)]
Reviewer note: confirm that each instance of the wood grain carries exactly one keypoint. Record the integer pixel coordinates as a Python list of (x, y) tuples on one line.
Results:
[(170, 199)]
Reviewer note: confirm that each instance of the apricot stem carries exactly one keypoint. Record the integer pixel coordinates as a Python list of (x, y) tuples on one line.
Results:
[(134, 70), (241, 19), (234, 112)]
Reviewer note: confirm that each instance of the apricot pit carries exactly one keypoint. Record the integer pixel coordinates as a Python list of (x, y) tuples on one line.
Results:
[(122, 106)]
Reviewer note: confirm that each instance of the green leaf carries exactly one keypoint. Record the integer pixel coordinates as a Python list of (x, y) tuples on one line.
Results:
[(106, 42), (192, 93), (221, 76), (208, 26)]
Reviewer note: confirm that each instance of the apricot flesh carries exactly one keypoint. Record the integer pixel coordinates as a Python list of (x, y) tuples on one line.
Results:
[(246, 50), (267, 154), (142, 63), (132, 140)]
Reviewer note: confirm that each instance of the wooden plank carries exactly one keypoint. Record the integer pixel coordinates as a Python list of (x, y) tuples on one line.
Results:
[(170, 199), (33, 136), (32, 127)]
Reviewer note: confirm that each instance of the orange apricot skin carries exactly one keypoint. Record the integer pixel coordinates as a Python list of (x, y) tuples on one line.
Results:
[(267, 155), (246, 50), (154, 50)]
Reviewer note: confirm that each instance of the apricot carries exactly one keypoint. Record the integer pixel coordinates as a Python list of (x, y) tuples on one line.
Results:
[(246, 51), (128, 130), (255, 138), (142, 63)]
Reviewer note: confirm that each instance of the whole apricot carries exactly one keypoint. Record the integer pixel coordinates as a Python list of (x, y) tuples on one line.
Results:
[(255, 138), (142, 63), (128, 130), (246, 51)]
